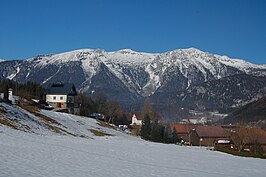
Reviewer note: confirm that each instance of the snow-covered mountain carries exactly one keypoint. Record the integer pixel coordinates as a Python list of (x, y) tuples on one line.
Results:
[(126, 75)]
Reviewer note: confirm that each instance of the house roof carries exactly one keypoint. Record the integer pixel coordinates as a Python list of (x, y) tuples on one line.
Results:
[(181, 128), (137, 114), (64, 89), (210, 131)]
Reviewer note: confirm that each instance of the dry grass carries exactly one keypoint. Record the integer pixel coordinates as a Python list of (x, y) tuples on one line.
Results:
[(35, 111), (47, 119), (2, 111), (99, 133), (5, 122), (104, 124)]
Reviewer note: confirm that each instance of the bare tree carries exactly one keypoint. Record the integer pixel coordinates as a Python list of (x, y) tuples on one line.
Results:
[(113, 110)]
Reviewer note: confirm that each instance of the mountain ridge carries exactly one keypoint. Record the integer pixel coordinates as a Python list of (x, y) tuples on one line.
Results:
[(137, 74)]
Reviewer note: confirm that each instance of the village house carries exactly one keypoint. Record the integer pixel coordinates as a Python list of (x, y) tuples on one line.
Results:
[(11, 97), (135, 121), (135, 124), (182, 131), (62, 97), (208, 135)]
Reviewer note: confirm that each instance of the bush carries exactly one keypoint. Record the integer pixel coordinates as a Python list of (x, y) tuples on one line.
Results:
[(241, 153)]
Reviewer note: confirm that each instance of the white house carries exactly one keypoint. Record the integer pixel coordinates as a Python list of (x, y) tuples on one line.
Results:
[(61, 96), (135, 121), (1, 96), (11, 96)]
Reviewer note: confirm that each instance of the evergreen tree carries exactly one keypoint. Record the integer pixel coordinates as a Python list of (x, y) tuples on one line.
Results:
[(166, 134), (175, 138), (145, 131), (6, 92), (157, 131)]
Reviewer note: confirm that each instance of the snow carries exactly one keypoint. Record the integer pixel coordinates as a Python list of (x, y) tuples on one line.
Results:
[(52, 154), (14, 74), (128, 55), (191, 62), (51, 76)]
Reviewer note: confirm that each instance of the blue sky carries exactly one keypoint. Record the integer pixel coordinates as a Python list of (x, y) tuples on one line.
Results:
[(236, 28)]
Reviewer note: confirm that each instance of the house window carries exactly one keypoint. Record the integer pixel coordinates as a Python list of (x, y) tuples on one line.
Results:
[(54, 97), (61, 98)]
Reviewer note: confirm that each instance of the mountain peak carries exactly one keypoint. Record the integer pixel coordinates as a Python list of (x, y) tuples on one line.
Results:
[(126, 51)]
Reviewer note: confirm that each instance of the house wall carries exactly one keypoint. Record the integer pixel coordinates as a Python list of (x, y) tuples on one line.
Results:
[(135, 121), (194, 138), (57, 101), (202, 141), (184, 136), (208, 141), (50, 98)]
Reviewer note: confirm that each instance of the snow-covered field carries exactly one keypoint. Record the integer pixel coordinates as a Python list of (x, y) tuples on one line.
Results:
[(53, 154)]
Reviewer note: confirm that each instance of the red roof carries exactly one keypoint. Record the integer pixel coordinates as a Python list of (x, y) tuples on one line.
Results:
[(210, 131), (181, 128)]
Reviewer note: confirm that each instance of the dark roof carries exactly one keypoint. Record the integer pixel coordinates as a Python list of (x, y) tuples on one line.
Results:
[(64, 89)]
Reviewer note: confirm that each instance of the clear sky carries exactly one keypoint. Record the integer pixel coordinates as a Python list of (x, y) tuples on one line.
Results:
[(236, 28)]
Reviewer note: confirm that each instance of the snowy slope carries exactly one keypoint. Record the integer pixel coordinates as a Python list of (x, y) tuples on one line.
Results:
[(26, 154), (45, 122)]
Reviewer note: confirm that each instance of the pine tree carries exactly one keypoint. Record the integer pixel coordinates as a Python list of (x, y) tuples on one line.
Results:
[(156, 131), (6, 92), (175, 138), (166, 134), (145, 131)]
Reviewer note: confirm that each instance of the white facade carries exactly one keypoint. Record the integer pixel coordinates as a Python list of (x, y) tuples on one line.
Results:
[(135, 121), (56, 98), (10, 96), (1, 96)]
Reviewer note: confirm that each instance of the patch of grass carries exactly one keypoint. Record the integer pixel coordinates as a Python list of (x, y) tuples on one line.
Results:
[(35, 111), (2, 111), (241, 154), (104, 124), (29, 108), (99, 133), (6, 123), (47, 119)]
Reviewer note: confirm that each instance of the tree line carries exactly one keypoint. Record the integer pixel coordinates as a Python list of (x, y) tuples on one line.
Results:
[(153, 129), (28, 90), (112, 110)]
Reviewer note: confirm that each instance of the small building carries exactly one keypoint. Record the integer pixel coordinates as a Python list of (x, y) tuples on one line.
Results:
[(182, 131), (135, 121), (62, 97), (207, 135), (135, 124), (11, 96), (1, 96)]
